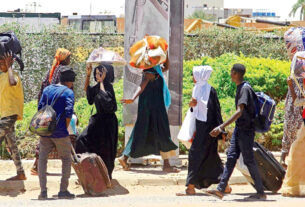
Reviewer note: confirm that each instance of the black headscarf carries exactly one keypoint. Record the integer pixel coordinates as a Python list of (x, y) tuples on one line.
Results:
[(109, 75)]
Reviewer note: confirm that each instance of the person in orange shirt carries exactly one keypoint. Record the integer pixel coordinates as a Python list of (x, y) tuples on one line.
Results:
[(11, 110)]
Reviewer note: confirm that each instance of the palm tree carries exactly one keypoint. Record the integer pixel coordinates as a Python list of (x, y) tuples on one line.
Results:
[(299, 5)]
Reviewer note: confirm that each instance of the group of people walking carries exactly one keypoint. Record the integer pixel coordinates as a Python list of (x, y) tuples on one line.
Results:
[(151, 133)]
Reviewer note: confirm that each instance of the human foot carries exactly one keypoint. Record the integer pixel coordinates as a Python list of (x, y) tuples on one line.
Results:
[(124, 164), (215, 193), (171, 169), (188, 192), (228, 190)]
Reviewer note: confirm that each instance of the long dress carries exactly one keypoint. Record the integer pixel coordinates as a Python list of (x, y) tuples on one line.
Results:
[(293, 118), (205, 166), (294, 181), (101, 135), (151, 134)]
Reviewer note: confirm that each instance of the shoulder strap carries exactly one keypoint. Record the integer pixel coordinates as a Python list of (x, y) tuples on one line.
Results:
[(52, 104)]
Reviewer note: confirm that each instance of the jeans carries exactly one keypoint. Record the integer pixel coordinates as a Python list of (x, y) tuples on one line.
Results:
[(242, 142)]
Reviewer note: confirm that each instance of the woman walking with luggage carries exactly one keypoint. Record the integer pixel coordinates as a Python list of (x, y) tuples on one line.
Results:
[(151, 134), (61, 58), (101, 135), (205, 166)]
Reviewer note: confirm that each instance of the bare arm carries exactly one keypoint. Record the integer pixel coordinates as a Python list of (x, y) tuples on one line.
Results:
[(8, 58), (87, 81), (68, 122), (148, 77), (290, 87), (215, 132)]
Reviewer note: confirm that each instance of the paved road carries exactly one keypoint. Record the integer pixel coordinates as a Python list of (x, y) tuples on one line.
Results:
[(150, 196)]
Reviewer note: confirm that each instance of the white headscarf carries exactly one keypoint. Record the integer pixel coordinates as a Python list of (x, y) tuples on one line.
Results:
[(201, 91)]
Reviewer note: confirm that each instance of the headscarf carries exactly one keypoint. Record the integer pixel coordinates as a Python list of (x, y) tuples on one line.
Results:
[(61, 55), (109, 75), (201, 91), (166, 92)]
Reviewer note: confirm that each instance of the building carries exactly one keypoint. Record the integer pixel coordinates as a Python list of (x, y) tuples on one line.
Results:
[(190, 6), (35, 22), (92, 23)]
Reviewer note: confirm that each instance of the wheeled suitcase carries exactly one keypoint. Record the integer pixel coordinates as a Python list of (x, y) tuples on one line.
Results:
[(271, 171), (91, 172)]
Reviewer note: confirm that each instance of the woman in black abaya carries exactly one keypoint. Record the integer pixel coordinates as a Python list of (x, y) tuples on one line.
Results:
[(101, 135), (205, 166)]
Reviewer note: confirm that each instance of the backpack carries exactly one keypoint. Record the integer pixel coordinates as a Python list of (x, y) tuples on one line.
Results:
[(264, 111), (44, 121), (10, 43)]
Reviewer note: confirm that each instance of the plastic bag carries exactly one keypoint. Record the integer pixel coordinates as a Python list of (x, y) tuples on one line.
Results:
[(295, 40), (148, 52), (102, 55), (188, 130)]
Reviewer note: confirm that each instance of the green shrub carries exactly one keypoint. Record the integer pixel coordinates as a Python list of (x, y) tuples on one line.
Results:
[(215, 41)]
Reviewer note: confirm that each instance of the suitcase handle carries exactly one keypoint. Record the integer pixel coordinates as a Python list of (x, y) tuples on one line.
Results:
[(75, 159)]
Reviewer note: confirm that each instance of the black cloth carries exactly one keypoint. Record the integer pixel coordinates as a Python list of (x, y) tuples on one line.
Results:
[(244, 95), (151, 133), (101, 135), (205, 166)]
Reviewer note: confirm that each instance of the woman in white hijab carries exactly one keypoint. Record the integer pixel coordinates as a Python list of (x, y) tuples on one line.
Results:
[(205, 166)]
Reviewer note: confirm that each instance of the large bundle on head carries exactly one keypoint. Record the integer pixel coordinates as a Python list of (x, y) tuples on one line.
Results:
[(103, 56), (148, 52), (9, 43), (295, 40)]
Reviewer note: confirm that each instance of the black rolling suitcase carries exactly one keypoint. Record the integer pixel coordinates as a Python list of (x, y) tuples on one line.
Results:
[(271, 171)]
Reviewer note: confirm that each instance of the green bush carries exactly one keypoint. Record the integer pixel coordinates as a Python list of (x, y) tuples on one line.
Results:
[(264, 74), (215, 41)]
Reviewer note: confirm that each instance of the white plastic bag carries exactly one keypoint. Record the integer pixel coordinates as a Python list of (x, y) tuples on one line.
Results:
[(188, 129), (101, 55), (240, 165)]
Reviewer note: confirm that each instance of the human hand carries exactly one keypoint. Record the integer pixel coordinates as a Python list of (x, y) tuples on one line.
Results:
[(215, 132), (193, 102), (8, 59), (89, 69), (127, 101)]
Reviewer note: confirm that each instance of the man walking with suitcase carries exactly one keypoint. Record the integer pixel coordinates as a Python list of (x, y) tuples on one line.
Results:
[(243, 137), (62, 97)]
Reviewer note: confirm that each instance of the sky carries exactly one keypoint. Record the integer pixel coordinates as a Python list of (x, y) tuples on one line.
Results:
[(67, 7)]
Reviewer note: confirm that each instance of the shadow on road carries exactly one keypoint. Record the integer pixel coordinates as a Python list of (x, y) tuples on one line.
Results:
[(117, 189), (11, 188)]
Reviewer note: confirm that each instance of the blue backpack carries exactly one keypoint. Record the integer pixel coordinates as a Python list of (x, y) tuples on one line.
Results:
[(264, 111)]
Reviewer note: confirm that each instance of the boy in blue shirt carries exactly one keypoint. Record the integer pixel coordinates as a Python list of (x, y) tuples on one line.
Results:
[(60, 137)]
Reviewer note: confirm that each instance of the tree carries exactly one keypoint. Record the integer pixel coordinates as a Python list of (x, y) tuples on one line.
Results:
[(299, 5)]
